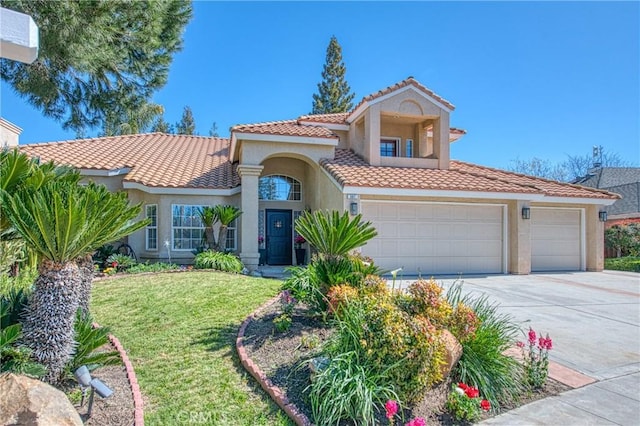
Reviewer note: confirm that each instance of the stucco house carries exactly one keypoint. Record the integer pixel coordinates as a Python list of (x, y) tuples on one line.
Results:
[(387, 159)]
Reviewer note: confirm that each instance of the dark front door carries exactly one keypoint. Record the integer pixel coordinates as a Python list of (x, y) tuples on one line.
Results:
[(279, 237)]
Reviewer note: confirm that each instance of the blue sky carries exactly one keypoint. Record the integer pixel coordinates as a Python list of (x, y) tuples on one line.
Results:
[(542, 79)]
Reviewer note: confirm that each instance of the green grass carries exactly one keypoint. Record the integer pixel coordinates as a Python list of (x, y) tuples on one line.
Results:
[(628, 263), (179, 331)]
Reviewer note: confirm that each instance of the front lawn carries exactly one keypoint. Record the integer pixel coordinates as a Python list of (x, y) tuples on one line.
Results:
[(628, 263), (179, 331)]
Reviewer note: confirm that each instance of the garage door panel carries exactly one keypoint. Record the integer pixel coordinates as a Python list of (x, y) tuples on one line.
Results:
[(436, 238), (556, 239)]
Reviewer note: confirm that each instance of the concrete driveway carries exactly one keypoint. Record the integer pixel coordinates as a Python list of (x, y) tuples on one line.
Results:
[(594, 321)]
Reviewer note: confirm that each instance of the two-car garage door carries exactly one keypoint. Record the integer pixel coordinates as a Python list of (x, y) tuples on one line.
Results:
[(432, 238)]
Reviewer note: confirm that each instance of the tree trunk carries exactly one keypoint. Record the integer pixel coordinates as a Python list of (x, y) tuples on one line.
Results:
[(49, 317), (85, 266), (208, 235), (222, 239)]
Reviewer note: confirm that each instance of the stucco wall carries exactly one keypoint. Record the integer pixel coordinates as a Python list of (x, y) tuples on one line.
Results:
[(164, 203)]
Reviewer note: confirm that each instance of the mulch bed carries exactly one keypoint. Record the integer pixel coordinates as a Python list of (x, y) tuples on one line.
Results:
[(284, 356)]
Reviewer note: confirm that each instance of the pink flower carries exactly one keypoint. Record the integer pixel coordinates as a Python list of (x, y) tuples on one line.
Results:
[(520, 344), (485, 405), (418, 421), (300, 239), (392, 408), (548, 344), (542, 343), (532, 336)]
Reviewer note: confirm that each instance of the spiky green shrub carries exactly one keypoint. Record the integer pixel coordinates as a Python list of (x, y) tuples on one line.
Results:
[(483, 363), (333, 234), (219, 261), (88, 340)]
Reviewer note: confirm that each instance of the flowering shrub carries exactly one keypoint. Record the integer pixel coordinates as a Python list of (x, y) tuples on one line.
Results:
[(465, 404), (428, 301), (536, 361), (463, 322), (110, 271), (339, 295)]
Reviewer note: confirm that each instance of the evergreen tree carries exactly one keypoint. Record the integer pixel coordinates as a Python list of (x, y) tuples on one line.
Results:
[(334, 93), (97, 58), (161, 126), (136, 120), (187, 124), (213, 131)]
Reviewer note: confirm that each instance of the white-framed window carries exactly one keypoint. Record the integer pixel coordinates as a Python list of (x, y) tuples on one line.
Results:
[(279, 188), (151, 232), (389, 147), (232, 236), (187, 230), (409, 148)]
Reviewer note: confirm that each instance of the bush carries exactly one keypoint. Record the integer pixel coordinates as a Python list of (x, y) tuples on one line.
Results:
[(631, 264), (152, 267), (219, 261), (121, 262), (406, 348), (483, 363), (348, 389)]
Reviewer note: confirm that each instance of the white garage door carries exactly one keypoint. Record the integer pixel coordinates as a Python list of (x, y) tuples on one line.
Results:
[(556, 239), (436, 238)]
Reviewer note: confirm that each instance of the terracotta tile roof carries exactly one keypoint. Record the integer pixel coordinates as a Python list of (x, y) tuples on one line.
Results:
[(410, 81), (548, 187), (155, 159), (336, 118), (350, 170), (285, 128)]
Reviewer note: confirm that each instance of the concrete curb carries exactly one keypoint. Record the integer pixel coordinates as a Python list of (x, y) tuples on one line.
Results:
[(138, 405), (274, 391)]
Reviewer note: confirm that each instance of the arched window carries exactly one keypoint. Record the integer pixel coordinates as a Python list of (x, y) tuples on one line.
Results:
[(279, 188)]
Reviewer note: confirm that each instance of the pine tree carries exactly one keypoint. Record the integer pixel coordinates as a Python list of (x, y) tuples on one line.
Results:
[(98, 61), (187, 124), (161, 126), (213, 131), (334, 93)]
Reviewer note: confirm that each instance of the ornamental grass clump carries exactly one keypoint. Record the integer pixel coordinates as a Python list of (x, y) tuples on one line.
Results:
[(483, 362), (219, 261)]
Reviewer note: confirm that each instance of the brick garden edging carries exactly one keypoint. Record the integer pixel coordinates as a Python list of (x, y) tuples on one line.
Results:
[(138, 413), (274, 391)]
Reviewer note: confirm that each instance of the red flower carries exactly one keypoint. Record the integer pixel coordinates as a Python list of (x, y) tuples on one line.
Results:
[(418, 421), (114, 264), (300, 239), (472, 392), (485, 405), (392, 408), (462, 386), (532, 336), (548, 344)]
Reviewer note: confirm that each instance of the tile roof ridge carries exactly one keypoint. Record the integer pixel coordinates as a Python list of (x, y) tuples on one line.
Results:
[(589, 189), (265, 123)]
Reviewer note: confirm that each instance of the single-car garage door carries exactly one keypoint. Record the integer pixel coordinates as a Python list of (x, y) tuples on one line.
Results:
[(556, 239), (431, 238)]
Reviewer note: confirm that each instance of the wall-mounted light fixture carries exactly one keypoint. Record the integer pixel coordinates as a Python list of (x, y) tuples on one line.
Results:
[(602, 216), (353, 208), (526, 213)]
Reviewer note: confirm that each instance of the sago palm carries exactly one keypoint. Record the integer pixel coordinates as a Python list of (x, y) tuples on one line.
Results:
[(332, 234), (208, 217), (226, 215), (63, 222)]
